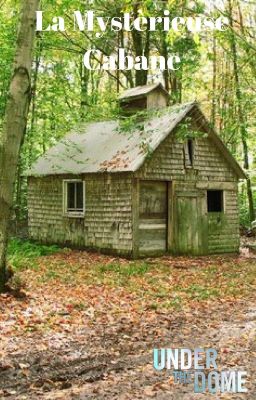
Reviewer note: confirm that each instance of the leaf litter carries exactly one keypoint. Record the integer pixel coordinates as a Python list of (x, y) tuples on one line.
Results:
[(88, 324)]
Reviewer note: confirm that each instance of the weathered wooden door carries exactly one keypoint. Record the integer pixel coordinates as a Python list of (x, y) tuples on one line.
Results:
[(190, 233), (153, 217)]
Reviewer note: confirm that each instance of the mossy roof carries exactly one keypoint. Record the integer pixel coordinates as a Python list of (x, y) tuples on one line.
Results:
[(108, 147)]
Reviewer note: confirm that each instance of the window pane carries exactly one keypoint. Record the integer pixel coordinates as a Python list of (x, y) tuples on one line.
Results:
[(153, 200), (70, 195), (74, 197), (215, 200), (79, 196)]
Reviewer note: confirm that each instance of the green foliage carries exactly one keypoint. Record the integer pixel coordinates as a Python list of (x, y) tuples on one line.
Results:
[(23, 254), (132, 269), (243, 207), (8, 29), (186, 131), (137, 120), (133, 122), (64, 93), (202, 292)]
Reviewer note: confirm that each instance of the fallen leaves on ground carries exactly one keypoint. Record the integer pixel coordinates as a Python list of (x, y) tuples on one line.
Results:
[(89, 322)]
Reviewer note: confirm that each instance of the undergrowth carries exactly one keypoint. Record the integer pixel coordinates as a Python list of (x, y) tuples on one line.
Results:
[(23, 254)]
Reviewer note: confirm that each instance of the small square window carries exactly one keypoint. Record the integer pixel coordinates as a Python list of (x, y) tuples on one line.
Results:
[(215, 200), (74, 198)]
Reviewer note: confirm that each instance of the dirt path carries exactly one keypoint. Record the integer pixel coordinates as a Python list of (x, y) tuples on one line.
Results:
[(115, 362)]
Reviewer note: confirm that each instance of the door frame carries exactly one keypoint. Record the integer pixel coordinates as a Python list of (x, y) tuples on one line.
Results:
[(135, 214), (202, 224)]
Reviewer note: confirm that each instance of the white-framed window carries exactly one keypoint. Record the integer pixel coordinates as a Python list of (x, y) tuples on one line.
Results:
[(74, 197)]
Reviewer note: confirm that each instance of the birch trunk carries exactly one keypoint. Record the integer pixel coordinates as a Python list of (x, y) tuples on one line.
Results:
[(15, 123)]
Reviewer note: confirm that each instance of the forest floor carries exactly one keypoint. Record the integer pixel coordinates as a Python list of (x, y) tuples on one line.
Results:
[(88, 324)]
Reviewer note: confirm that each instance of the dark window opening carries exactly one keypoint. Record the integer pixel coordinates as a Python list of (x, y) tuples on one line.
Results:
[(134, 105), (80, 196), (189, 153), (75, 197), (71, 196), (215, 200)]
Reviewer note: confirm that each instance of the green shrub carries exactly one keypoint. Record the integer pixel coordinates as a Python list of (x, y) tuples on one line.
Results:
[(23, 254)]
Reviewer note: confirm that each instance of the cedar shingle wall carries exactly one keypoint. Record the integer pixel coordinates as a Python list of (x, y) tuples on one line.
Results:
[(108, 219), (223, 233), (107, 222), (167, 163)]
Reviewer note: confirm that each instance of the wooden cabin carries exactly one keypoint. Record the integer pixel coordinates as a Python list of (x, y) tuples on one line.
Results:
[(164, 184)]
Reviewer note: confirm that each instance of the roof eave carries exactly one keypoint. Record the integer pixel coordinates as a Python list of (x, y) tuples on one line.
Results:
[(123, 98)]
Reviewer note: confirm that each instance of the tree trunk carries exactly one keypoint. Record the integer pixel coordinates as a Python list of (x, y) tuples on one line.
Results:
[(15, 124), (240, 113), (34, 79), (214, 82), (141, 47), (84, 79)]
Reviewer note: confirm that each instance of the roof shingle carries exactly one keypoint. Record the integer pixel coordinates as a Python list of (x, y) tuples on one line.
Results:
[(141, 91), (103, 146), (106, 147)]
